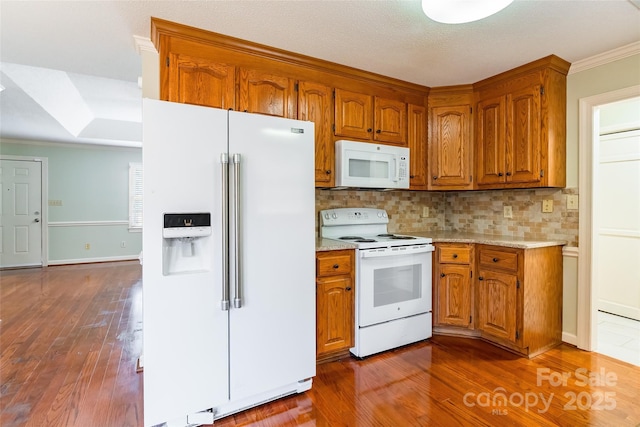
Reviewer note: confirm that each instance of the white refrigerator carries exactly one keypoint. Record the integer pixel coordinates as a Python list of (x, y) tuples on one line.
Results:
[(228, 261)]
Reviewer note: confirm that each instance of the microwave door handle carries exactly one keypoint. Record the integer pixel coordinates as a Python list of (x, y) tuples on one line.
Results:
[(397, 172)]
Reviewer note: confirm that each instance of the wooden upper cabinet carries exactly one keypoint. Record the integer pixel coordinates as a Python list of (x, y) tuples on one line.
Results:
[(523, 135), (390, 121), (417, 136), (521, 126), (315, 104), (354, 114), (266, 93), (490, 150), (201, 81), (450, 141), (372, 118)]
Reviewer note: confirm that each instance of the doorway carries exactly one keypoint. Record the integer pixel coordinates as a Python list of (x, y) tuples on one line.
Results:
[(609, 224), (23, 212)]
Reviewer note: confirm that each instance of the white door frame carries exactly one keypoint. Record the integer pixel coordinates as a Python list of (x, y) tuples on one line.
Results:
[(588, 135), (44, 200)]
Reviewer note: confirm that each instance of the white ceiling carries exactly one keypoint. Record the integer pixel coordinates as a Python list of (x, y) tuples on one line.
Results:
[(88, 90)]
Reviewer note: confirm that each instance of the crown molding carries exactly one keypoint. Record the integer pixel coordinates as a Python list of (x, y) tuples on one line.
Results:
[(605, 58), (144, 44)]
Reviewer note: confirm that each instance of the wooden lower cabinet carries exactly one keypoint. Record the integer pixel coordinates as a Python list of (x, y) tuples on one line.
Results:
[(452, 285), (335, 304), (516, 296)]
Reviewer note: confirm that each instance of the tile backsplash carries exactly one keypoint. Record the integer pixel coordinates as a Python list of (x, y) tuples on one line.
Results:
[(467, 211)]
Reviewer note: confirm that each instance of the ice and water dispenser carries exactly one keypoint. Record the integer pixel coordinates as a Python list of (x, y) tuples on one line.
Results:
[(185, 243)]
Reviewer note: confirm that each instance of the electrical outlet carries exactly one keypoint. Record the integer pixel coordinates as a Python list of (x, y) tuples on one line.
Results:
[(547, 206), (55, 202), (123, 244), (508, 212), (87, 246), (425, 212), (572, 202)]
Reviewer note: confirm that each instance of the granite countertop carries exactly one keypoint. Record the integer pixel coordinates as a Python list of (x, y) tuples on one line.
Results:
[(454, 237), (332, 245), (486, 239)]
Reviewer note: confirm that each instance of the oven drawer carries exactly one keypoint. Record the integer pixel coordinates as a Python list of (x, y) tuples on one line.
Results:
[(450, 254), (494, 258), (332, 264)]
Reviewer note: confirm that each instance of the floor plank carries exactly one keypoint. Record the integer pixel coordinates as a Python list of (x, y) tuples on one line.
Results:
[(70, 337)]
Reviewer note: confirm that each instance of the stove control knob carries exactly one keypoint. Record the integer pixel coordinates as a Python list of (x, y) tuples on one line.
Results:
[(379, 214), (326, 215), (334, 215), (384, 214)]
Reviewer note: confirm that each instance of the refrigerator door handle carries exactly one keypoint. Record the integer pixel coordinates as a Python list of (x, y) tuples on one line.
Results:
[(224, 161), (237, 301)]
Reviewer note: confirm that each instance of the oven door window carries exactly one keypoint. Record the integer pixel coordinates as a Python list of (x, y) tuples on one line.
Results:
[(393, 287)]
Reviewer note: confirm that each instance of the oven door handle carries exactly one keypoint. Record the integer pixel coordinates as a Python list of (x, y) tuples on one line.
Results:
[(396, 251)]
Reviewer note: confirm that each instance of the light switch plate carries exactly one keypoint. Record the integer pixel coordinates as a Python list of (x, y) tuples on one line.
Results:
[(425, 212), (547, 206), (572, 202), (508, 212)]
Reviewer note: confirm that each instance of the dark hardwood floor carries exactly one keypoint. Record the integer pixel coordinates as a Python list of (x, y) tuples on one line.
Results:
[(70, 337)]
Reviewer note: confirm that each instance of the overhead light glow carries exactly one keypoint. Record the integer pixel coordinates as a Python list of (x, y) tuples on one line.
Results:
[(461, 11)]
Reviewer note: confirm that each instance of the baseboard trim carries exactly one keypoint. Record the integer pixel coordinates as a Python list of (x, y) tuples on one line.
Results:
[(92, 260), (570, 338)]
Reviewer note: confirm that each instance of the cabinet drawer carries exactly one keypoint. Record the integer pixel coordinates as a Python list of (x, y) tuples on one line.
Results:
[(331, 265), (492, 258), (455, 254)]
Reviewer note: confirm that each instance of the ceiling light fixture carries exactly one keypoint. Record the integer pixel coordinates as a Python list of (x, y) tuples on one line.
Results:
[(462, 11)]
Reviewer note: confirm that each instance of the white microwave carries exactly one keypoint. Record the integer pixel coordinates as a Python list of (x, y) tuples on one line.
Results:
[(367, 165)]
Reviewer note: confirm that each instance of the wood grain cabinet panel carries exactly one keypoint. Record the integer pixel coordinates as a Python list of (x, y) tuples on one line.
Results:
[(519, 297), (497, 304), (315, 104), (521, 126), (200, 81), (335, 304), (417, 135), (450, 138), (371, 118), (452, 285), (266, 93)]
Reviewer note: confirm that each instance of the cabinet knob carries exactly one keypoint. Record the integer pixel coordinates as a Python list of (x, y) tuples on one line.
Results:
[(435, 177), (336, 266), (412, 176), (442, 274), (495, 260), (328, 171), (508, 173), (455, 256), (378, 131), (500, 173), (348, 288), (480, 278), (369, 130)]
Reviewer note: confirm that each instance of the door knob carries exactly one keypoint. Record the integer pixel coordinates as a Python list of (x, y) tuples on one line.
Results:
[(37, 220)]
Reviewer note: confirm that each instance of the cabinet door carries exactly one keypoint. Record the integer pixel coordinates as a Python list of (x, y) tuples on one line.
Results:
[(390, 119), (315, 105), (417, 147), (353, 114), (497, 309), (450, 146), (490, 149), (201, 82), (523, 135), (454, 295), (334, 314), (266, 93)]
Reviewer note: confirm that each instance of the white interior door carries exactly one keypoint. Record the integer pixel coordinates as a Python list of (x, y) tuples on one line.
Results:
[(21, 213), (618, 224)]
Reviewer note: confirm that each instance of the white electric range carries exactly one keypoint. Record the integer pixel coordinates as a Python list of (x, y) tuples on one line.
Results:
[(393, 279)]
